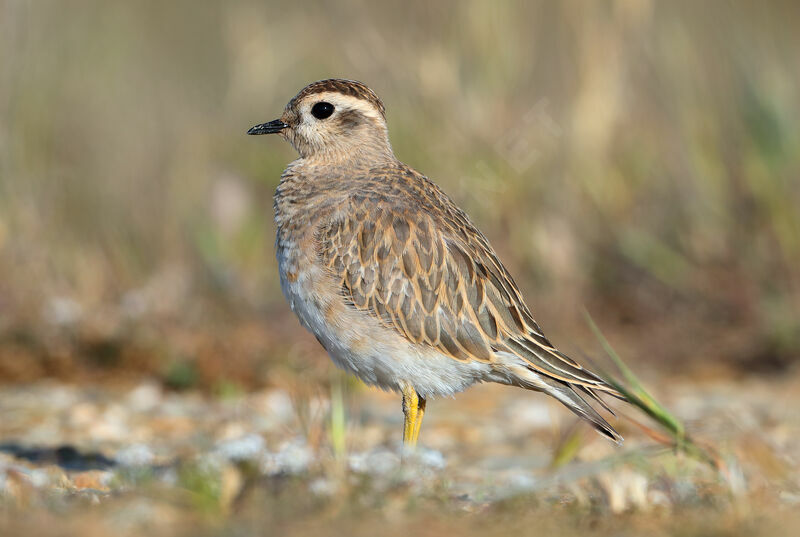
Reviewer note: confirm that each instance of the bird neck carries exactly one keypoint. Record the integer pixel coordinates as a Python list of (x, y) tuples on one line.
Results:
[(369, 144), (353, 156)]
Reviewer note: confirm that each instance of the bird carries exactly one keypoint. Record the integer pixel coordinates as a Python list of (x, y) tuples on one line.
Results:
[(393, 278)]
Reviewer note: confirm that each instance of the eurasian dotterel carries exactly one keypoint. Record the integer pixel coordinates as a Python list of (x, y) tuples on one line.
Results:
[(394, 280)]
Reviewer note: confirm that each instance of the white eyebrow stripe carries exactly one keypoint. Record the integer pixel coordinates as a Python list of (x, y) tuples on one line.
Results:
[(340, 100)]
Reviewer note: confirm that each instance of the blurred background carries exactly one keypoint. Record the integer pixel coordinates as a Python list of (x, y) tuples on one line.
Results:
[(638, 158)]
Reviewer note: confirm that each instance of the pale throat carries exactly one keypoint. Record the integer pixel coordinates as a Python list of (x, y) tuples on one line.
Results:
[(372, 145)]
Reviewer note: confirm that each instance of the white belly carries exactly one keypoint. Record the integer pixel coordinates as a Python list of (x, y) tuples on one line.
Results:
[(358, 343)]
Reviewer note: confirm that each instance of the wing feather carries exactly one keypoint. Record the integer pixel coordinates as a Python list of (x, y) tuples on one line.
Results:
[(429, 274)]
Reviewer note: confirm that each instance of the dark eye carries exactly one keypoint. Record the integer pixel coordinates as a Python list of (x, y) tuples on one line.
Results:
[(321, 110)]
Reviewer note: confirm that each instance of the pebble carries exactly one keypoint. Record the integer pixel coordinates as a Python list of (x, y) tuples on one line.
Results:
[(248, 447), (93, 479), (293, 457), (145, 397), (379, 462), (502, 452), (135, 455)]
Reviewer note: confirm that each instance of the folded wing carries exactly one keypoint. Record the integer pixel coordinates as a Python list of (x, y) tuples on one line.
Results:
[(434, 278)]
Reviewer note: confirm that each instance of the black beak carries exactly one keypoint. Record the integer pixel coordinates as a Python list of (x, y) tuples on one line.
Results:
[(272, 127)]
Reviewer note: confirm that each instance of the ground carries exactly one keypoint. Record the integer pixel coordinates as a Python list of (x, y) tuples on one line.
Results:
[(93, 460)]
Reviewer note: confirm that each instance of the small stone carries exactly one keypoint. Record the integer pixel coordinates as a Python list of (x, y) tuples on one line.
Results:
[(378, 462), (83, 415), (50, 476), (431, 458), (519, 483), (625, 489), (144, 397), (293, 458), (323, 487), (135, 455), (93, 479), (245, 448), (277, 404)]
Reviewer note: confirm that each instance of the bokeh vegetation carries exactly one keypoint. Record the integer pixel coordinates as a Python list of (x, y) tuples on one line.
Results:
[(637, 157)]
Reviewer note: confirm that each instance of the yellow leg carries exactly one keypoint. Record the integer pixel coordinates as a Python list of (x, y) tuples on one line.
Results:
[(414, 410), (418, 424)]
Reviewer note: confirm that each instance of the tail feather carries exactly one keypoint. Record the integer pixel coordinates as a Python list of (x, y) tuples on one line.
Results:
[(570, 398), (554, 364), (591, 393), (566, 393)]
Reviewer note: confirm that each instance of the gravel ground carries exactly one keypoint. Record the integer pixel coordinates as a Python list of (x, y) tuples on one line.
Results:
[(137, 459)]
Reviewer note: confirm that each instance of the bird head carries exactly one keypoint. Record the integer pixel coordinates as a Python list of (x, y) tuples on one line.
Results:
[(334, 120)]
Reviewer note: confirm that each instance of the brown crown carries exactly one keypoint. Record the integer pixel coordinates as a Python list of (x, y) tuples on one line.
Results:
[(352, 88)]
